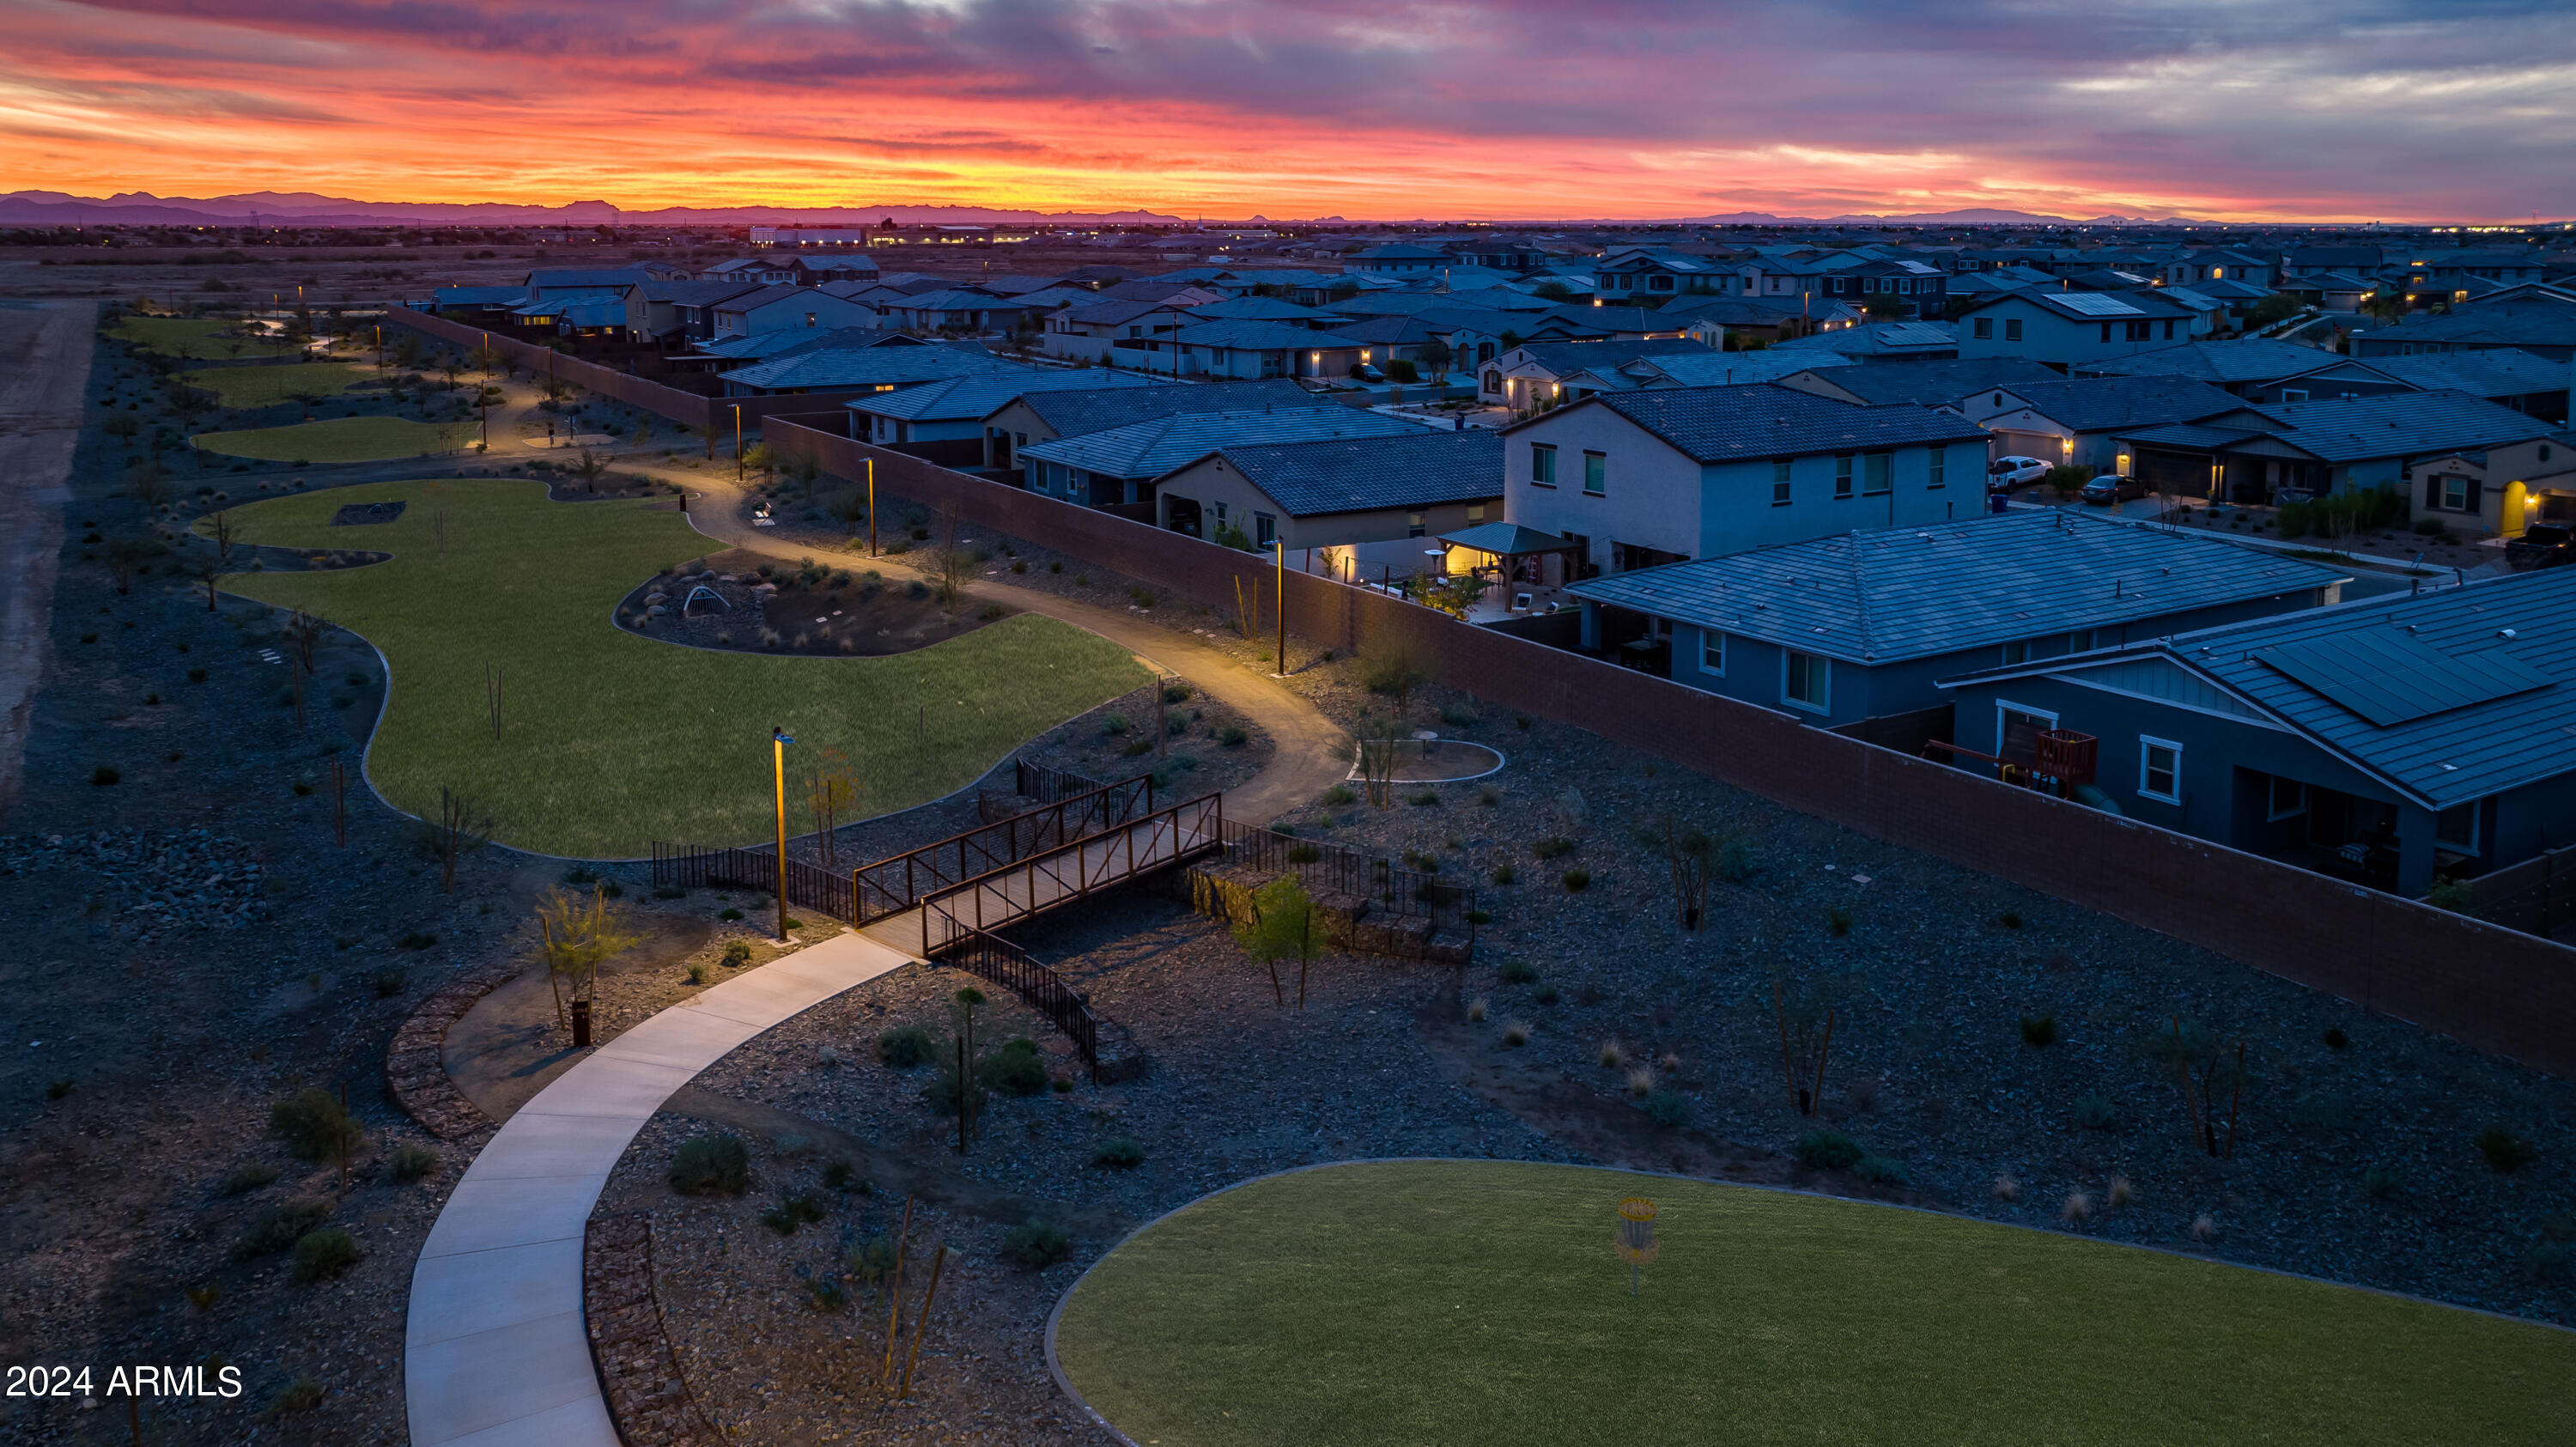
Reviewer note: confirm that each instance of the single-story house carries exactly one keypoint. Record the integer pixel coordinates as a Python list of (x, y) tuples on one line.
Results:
[(858, 369), (1867, 624), (955, 310), (1246, 349), (2077, 420), (2311, 448), (954, 408), (1089, 332), (2389, 740), (1941, 382), (482, 306), (1533, 374), (2503, 375), (2542, 328), (1747, 318), (1400, 258), (1105, 469), (1101, 406), (683, 312), (1337, 491), (2245, 366), (1661, 474)]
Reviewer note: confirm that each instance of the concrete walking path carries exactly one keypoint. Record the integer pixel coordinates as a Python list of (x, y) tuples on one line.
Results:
[(495, 1353)]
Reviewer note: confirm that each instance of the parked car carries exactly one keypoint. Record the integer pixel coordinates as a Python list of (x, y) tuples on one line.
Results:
[(2110, 488), (2006, 473), (2542, 545), (1368, 372)]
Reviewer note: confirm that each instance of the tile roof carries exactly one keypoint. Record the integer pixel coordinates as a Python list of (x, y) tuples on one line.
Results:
[(2242, 360), (1893, 594), (1880, 339), (978, 395), (955, 299), (835, 368), (1117, 313), (1261, 309), (763, 296), (2488, 372), (479, 296), (1614, 319), (2499, 323), (1409, 469), (764, 346), (1731, 424), (1098, 408), (1564, 359), (695, 293), (2501, 630), (1150, 449), (618, 277), (1257, 336), (1932, 381), (1709, 367), (2097, 404), (2400, 424)]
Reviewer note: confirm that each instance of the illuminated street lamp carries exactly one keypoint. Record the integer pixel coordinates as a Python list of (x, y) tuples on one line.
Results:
[(778, 742), (1279, 597)]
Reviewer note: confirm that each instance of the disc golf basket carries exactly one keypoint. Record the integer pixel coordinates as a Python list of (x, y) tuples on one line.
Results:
[(1636, 1239), (704, 594)]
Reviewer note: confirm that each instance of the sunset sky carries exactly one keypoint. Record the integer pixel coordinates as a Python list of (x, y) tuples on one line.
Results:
[(2457, 110)]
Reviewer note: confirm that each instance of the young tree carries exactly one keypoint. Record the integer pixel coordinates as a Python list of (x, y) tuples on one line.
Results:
[(219, 527), (1285, 925), (576, 935), (1435, 356), (1396, 671), (2204, 1068), (831, 794), (590, 467), (125, 554), (851, 507), (459, 830), (1805, 1013), (1693, 856), (758, 458)]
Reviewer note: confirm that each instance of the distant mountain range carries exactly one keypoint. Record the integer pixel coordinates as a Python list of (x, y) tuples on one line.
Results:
[(304, 208), (1974, 216)]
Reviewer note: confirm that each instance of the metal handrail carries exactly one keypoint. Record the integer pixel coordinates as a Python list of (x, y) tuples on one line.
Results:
[(987, 847), (1070, 868)]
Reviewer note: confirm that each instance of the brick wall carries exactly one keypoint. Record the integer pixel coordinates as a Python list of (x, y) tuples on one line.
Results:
[(2493, 988)]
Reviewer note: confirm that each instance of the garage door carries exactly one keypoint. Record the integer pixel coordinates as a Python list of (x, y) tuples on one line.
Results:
[(2031, 444)]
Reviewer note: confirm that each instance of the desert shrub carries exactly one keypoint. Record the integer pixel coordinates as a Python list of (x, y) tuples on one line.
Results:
[(411, 1161), (323, 1254), (1544, 992), (1838, 922), (2096, 1112), (104, 774), (1038, 1243), (2430, 527), (2039, 1031), (729, 915), (1015, 1069), (738, 953), (281, 1226), (2505, 1152), (2009, 919), (1515, 1035), (1881, 1170), (1828, 1149), (1668, 1108), (1516, 972), (1457, 715), (389, 983), (1304, 854), (301, 1395), (1577, 880), (1505, 874), (1233, 736), (708, 1164), (243, 1179), (794, 1209), (1176, 693), (906, 1046), (1553, 848), (840, 1175), (1338, 795), (792, 1144), (314, 1126), (1119, 1153), (2550, 1261), (1114, 724), (1143, 596)]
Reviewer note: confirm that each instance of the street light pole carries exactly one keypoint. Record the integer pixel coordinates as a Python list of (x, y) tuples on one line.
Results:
[(778, 742), (1279, 597), (872, 507)]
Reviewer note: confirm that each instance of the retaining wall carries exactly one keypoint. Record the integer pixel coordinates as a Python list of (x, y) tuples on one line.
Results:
[(2493, 988)]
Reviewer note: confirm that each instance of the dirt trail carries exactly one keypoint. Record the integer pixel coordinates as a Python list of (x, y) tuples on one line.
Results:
[(44, 368)]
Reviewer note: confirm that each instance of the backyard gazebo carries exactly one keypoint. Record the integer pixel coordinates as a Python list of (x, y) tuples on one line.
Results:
[(1518, 555)]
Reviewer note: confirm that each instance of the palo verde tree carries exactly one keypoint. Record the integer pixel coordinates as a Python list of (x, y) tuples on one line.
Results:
[(576, 934), (1806, 1012), (1695, 856), (1285, 925)]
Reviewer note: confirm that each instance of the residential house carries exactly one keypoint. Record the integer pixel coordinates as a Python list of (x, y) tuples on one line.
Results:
[(682, 313), (2222, 264), (1705, 367), (482, 306), (2304, 449), (2245, 366), (1944, 383), (2506, 376), (1168, 292), (1246, 350), (768, 346), (1088, 333), (1399, 258), (787, 308), (1533, 374), (1867, 624), (2330, 291), (857, 369), (956, 310), (1650, 276), (2073, 328), (2390, 740), (1708, 319), (1660, 474), (1267, 309), (1046, 416), (1882, 341), (2076, 421), (2542, 328), (1598, 322), (1121, 465), (953, 409), (1336, 492), (1915, 285)]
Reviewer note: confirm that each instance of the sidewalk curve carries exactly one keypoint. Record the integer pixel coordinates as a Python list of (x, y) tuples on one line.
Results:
[(495, 1353)]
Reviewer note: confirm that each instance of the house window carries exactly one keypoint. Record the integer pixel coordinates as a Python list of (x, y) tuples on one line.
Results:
[(1265, 529), (1879, 476), (2456, 828), (1940, 468), (1413, 525), (2455, 494), (1779, 484), (2106, 331), (1659, 283), (1542, 465), (2169, 329), (1806, 681), (2159, 769), (1596, 473), (2294, 394), (2289, 797), (1475, 513), (2080, 641), (1843, 476), (2012, 329), (1712, 652), (2017, 652)]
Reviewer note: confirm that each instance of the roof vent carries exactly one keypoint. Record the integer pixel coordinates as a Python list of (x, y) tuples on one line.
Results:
[(2507, 633)]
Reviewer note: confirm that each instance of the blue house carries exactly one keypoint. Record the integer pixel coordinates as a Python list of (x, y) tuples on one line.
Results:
[(1865, 625), (2388, 740)]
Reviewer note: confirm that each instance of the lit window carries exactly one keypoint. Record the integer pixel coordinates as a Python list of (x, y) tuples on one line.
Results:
[(2455, 494), (1806, 681), (1542, 464), (2159, 769), (1843, 476), (1712, 652), (1475, 512), (1596, 474), (1779, 484)]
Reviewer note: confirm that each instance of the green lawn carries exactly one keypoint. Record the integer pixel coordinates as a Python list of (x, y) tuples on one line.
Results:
[(194, 340), (611, 741), (264, 386), (343, 439), (1477, 1302)]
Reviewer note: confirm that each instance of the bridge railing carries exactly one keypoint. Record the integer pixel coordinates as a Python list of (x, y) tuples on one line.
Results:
[(1041, 882), (897, 883)]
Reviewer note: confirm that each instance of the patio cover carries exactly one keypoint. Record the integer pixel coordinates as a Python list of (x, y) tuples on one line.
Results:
[(1508, 540)]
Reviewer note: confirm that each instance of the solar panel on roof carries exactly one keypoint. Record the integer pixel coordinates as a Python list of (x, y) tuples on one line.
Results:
[(2390, 678), (2098, 304)]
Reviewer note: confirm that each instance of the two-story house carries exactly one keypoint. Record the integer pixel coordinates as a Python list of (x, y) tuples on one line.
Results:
[(2070, 328)]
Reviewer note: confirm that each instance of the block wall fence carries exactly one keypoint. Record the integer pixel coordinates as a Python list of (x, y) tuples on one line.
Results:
[(2493, 988)]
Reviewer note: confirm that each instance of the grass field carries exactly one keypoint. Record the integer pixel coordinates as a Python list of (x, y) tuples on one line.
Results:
[(266, 386), (610, 741), (343, 439), (193, 340), (1477, 1302)]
